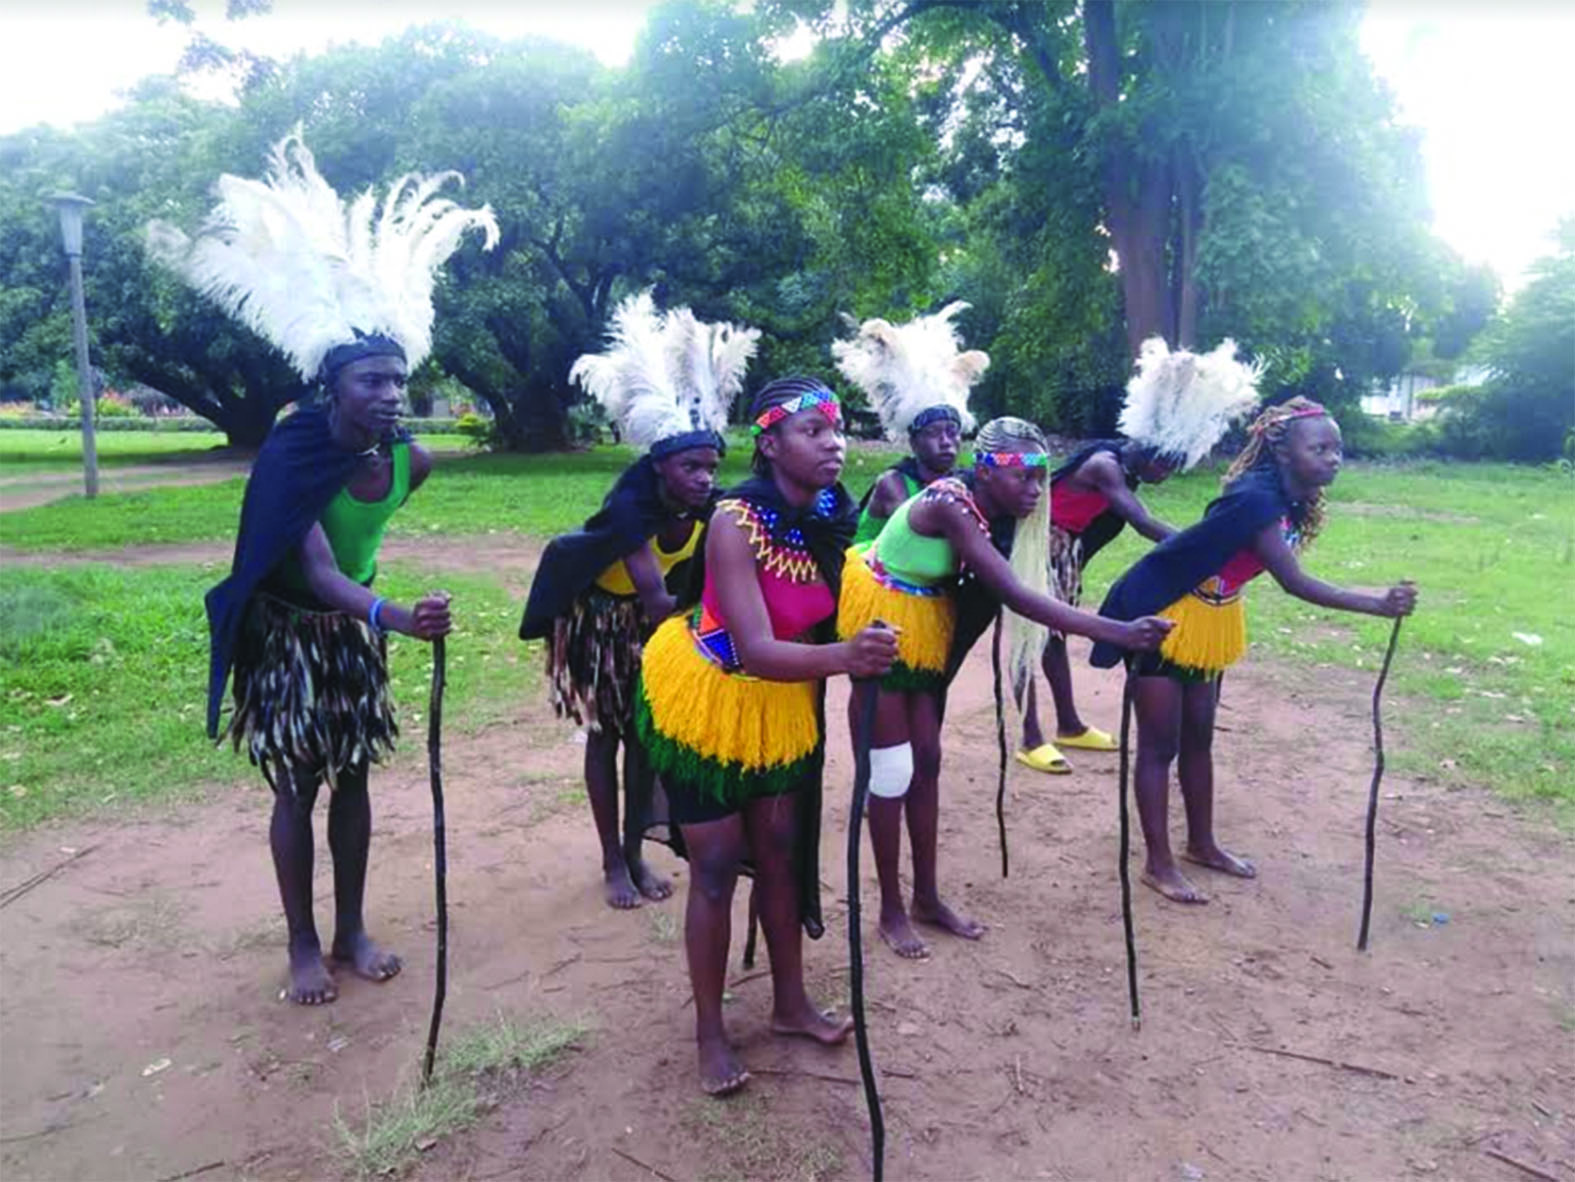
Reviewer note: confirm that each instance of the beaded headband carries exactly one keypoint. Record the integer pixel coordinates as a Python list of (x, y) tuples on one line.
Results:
[(1012, 459), (822, 400)]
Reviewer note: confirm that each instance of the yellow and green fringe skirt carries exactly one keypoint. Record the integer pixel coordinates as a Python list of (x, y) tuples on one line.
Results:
[(310, 692), (925, 618), (729, 736), (1210, 633), (593, 660)]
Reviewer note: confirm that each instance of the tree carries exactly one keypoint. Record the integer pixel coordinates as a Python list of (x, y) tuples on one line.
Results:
[(1526, 411)]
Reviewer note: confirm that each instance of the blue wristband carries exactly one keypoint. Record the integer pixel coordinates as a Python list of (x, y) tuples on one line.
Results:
[(374, 616)]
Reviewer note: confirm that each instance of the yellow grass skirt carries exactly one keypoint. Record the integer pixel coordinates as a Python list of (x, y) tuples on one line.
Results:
[(729, 735), (925, 624), (1211, 630)]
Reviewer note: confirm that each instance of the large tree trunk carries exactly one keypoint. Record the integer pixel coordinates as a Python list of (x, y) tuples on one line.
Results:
[(1137, 193), (1184, 256)]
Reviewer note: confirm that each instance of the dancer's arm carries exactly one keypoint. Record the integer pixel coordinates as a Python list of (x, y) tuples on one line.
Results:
[(730, 562), (1103, 472), (890, 492), (427, 620), (949, 519), (646, 576), (1280, 561), (420, 466)]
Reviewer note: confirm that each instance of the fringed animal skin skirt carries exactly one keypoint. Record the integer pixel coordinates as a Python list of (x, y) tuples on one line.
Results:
[(310, 692), (593, 660)]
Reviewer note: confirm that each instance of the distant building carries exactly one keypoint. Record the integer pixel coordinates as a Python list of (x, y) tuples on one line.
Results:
[(1399, 400)]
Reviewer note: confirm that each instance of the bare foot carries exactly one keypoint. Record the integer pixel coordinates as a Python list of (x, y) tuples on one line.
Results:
[(938, 914), (1173, 885), (901, 938), (811, 1023), (622, 894), (651, 884), (310, 982), (1224, 861), (721, 1074), (365, 958)]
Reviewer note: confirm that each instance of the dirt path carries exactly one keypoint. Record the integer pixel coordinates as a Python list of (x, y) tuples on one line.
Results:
[(1009, 1058)]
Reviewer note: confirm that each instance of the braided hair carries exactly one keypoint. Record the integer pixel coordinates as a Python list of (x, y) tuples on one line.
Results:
[(1268, 430), (775, 393), (1025, 639)]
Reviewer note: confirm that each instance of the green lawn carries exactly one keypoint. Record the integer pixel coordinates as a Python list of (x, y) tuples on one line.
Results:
[(102, 661), (31, 452), (536, 495), (103, 682)]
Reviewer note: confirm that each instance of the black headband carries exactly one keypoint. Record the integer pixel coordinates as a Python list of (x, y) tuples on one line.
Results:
[(674, 444), (934, 414), (374, 345)]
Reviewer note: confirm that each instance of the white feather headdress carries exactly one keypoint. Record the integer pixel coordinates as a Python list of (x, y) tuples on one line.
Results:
[(907, 369), (1181, 403), (289, 259), (666, 375)]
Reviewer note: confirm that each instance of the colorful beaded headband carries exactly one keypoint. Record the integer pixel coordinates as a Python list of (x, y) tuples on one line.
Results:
[(822, 400), (1013, 459)]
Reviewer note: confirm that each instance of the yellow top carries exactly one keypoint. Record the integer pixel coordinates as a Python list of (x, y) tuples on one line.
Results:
[(615, 579)]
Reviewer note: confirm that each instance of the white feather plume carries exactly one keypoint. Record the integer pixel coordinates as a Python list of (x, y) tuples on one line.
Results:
[(1181, 403), (289, 259), (905, 369), (668, 374)]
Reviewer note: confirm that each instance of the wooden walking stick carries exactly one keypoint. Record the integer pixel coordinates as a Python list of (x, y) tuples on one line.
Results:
[(862, 739), (1000, 741), (754, 928), (1372, 791), (1126, 849), (439, 848)]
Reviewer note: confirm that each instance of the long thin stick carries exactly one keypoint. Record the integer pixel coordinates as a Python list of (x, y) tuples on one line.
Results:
[(1372, 792), (1125, 852), (12, 894), (439, 848), (754, 927), (1000, 740), (862, 739), (1520, 1165)]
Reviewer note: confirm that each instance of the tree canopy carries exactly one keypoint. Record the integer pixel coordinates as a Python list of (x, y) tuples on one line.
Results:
[(1085, 175)]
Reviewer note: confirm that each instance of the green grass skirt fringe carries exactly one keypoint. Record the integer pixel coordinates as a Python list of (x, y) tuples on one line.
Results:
[(727, 783)]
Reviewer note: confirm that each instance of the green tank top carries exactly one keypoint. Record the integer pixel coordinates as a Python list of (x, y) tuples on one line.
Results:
[(911, 557), (870, 527), (355, 528)]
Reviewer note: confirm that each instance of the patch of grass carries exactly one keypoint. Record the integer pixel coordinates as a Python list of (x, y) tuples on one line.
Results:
[(36, 451), (741, 1140), (103, 682), (471, 1074), (474, 494)]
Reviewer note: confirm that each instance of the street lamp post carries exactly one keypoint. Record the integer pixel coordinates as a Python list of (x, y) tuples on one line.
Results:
[(70, 207)]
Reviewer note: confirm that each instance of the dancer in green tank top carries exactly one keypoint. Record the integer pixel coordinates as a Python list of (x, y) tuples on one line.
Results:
[(905, 578)]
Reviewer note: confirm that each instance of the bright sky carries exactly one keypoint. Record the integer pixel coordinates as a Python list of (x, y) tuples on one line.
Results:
[(1488, 81)]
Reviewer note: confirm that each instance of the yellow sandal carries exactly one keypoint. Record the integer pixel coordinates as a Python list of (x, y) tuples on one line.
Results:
[(1092, 739), (1045, 758)]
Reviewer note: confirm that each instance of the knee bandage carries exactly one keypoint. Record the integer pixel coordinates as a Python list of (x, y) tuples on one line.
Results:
[(891, 770)]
